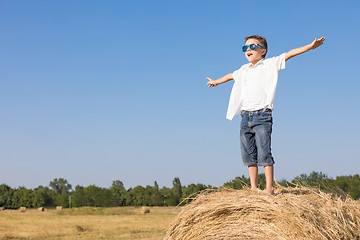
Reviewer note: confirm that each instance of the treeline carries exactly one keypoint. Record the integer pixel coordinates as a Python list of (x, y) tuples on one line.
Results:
[(342, 184), (60, 192)]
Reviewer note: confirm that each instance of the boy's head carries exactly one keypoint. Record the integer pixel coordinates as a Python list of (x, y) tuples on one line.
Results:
[(254, 55)]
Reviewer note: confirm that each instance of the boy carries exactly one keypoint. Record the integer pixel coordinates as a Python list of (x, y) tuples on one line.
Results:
[(253, 97)]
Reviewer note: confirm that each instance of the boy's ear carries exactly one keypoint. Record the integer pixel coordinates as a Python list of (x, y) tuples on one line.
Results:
[(264, 52)]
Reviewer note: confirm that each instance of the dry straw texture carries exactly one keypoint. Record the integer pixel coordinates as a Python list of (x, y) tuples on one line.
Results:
[(294, 213)]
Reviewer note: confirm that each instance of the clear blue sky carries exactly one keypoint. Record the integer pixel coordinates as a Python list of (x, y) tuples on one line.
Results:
[(94, 91)]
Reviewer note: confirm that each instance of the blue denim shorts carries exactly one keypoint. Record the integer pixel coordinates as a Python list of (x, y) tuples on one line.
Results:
[(255, 137)]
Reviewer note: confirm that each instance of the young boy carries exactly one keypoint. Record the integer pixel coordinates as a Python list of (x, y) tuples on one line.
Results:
[(252, 96)]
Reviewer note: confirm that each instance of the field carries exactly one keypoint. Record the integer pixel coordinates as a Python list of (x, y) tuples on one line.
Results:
[(87, 223)]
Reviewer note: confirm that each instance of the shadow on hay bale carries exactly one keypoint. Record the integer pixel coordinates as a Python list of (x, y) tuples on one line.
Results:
[(144, 210), (294, 213)]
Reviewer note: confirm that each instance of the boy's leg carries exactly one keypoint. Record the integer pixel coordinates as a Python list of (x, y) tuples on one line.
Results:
[(263, 130), (269, 175), (253, 174), (248, 147)]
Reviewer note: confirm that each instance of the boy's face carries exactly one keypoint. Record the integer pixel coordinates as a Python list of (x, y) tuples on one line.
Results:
[(254, 56)]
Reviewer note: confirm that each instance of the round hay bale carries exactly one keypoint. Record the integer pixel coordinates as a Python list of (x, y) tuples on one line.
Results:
[(59, 208), (41, 209), (1, 208), (22, 209), (145, 210), (294, 213)]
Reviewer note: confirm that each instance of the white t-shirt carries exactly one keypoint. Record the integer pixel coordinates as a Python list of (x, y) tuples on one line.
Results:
[(254, 88)]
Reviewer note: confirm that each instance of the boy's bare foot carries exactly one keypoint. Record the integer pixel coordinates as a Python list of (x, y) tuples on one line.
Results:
[(270, 192), (255, 189)]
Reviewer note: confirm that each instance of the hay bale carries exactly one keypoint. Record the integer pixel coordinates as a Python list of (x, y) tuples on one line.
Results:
[(294, 213), (22, 209), (145, 210), (1, 208), (41, 209), (59, 208)]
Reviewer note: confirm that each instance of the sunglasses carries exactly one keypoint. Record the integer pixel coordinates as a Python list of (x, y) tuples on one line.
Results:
[(252, 46)]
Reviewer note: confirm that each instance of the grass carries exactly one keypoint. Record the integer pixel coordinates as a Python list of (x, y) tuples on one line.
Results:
[(87, 223)]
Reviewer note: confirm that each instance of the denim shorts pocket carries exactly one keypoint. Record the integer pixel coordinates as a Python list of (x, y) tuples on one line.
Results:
[(265, 114)]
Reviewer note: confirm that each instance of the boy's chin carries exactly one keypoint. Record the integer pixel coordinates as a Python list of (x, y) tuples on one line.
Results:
[(253, 60)]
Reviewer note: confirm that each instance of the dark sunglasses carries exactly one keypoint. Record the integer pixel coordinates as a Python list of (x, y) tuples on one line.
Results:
[(252, 46)]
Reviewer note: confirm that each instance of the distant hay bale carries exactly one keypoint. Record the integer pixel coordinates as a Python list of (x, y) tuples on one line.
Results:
[(1, 209), (145, 210), (41, 209), (59, 208), (294, 213), (22, 209)]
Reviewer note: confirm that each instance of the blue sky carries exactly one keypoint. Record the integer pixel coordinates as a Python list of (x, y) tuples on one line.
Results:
[(94, 91)]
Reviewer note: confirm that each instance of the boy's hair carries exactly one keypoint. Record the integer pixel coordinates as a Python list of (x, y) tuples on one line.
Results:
[(262, 41)]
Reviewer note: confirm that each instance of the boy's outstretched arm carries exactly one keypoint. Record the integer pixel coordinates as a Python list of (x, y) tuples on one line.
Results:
[(214, 83), (294, 52)]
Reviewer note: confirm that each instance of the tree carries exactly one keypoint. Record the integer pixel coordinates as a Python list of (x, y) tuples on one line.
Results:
[(156, 186), (262, 181), (284, 182), (62, 200), (78, 197), (38, 198), (192, 190), (157, 197), (169, 197), (314, 178), (117, 184), (355, 187), (349, 184), (238, 182), (6, 195), (137, 196), (93, 196), (119, 193), (60, 186), (45, 194), (177, 190), (23, 197)]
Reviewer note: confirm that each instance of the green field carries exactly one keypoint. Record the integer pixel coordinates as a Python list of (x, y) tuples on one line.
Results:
[(87, 223)]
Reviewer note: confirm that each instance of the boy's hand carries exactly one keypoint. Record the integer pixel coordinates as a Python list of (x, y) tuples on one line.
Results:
[(211, 82), (214, 83), (294, 52), (317, 42)]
